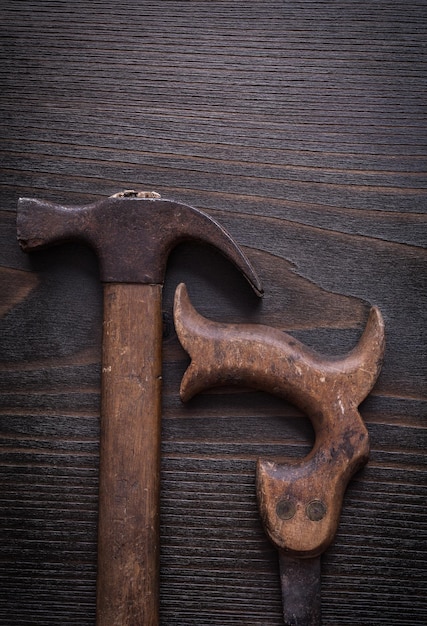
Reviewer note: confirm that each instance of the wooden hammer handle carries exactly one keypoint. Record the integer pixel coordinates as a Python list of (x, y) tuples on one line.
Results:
[(128, 532)]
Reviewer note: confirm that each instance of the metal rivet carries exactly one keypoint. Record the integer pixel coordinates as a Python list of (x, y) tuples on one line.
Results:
[(285, 509), (316, 510)]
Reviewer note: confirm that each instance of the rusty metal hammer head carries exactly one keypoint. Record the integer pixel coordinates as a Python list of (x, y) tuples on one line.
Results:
[(132, 235)]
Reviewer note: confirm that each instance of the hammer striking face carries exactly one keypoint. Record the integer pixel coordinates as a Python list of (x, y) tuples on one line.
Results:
[(132, 237)]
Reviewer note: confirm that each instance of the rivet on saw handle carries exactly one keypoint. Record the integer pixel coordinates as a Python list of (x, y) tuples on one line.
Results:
[(300, 502)]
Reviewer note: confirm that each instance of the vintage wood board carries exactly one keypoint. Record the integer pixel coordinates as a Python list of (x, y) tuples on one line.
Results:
[(301, 127)]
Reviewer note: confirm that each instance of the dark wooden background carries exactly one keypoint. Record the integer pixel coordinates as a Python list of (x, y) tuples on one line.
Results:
[(300, 126)]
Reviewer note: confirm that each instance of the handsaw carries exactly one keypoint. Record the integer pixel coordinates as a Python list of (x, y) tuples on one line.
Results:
[(300, 502)]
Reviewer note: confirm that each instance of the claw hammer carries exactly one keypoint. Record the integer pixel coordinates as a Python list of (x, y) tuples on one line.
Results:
[(132, 235)]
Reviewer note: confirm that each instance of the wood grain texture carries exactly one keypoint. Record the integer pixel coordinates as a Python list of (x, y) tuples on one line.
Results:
[(300, 126), (299, 503), (129, 470)]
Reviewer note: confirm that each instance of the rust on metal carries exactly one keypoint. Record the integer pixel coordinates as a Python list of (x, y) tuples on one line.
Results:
[(301, 590), (131, 235), (131, 193)]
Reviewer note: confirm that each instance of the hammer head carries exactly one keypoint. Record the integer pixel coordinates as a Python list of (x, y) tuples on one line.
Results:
[(132, 236)]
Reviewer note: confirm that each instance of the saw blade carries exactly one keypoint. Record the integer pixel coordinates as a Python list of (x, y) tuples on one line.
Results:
[(300, 583)]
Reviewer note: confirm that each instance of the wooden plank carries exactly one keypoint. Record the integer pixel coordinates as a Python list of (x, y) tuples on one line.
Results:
[(301, 127)]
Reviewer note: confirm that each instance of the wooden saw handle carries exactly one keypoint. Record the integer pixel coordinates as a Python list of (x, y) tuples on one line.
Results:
[(300, 502)]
